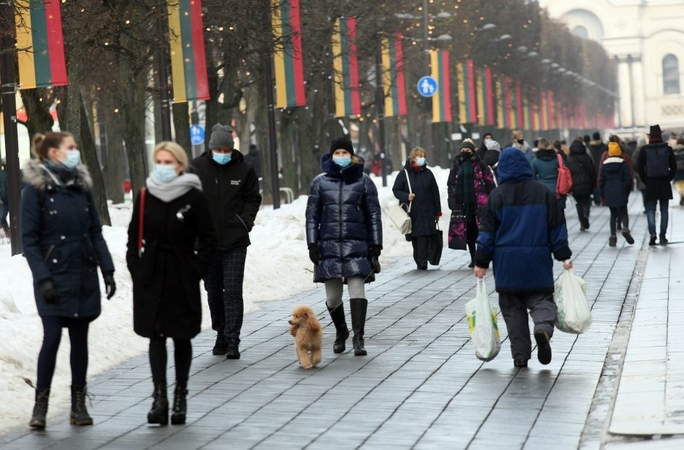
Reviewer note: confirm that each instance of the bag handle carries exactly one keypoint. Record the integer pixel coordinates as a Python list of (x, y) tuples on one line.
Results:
[(141, 222), (560, 160), (410, 190)]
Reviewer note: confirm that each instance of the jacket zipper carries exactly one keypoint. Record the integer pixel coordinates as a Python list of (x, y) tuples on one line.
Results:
[(341, 231)]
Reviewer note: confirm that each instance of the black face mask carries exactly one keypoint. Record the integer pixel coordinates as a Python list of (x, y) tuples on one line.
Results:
[(521, 141), (466, 155)]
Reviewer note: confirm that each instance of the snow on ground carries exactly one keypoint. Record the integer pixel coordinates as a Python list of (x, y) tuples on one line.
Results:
[(277, 267)]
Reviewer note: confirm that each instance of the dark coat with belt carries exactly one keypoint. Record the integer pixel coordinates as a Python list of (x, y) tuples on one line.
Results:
[(234, 198), (179, 244), (657, 188), (615, 182), (582, 169), (62, 238), (427, 205), (343, 218)]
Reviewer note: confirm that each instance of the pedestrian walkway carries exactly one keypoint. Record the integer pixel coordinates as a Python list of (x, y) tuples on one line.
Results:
[(420, 385)]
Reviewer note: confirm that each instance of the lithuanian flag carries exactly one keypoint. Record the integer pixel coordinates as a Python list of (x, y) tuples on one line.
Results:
[(188, 64), (393, 76), (287, 58), (40, 44), (346, 64), (519, 105), (512, 118), (467, 108), (441, 101), (502, 118), (485, 102)]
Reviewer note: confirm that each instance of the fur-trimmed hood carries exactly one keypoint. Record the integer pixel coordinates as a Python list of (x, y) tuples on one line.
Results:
[(40, 175)]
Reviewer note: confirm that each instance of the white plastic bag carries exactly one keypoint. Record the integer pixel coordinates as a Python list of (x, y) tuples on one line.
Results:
[(573, 313), (484, 333)]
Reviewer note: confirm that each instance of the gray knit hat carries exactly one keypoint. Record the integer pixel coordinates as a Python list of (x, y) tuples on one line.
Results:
[(221, 136), (491, 144)]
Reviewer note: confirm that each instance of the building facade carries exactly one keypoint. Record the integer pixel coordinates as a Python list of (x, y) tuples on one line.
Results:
[(646, 38)]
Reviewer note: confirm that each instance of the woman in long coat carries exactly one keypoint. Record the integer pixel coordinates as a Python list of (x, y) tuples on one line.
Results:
[(62, 238), (469, 184), (615, 183), (423, 196), (344, 236), (179, 242), (583, 173)]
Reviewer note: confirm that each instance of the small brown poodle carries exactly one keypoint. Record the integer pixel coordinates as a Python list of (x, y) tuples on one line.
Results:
[(306, 329)]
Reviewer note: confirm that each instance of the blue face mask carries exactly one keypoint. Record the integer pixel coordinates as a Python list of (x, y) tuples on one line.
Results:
[(420, 161), (221, 158), (72, 160), (165, 173), (342, 161)]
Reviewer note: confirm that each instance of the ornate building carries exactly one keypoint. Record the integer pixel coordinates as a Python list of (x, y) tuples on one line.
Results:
[(647, 40)]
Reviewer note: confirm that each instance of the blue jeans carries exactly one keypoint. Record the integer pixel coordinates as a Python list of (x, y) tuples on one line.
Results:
[(664, 216)]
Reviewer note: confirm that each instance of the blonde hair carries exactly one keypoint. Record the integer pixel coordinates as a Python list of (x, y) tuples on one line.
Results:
[(42, 143), (544, 144), (415, 152), (516, 133), (173, 148)]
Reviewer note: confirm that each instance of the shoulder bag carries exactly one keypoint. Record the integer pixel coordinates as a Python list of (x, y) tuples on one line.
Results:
[(400, 216)]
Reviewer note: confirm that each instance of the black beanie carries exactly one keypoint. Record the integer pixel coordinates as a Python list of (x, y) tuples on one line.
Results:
[(341, 143), (596, 136)]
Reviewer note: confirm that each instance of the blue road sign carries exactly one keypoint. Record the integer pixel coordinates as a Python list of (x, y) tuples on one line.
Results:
[(427, 86), (196, 134)]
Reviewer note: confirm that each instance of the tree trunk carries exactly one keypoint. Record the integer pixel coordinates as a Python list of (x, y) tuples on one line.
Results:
[(181, 125), (38, 112), (132, 96), (115, 155)]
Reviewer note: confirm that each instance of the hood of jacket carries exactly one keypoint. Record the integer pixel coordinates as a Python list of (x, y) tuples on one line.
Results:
[(349, 174), (39, 175), (577, 148), (546, 154), (513, 166)]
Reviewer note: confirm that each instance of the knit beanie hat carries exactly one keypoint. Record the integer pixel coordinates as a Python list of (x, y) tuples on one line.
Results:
[(596, 136), (342, 143), (221, 136), (491, 144), (614, 149), (468, 143)]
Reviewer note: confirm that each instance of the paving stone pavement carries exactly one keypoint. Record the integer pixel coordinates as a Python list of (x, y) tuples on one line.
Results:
[(420, 386)]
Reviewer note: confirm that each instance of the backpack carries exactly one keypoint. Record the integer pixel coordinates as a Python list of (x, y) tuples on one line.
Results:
[(679, 156), (657, 162), (564, 181)]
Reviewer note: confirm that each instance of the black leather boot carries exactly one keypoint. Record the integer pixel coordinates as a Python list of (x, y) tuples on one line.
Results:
[(79, 413), (358, 308), (160, 406), (180, 404), (40, 408), (341, 330)]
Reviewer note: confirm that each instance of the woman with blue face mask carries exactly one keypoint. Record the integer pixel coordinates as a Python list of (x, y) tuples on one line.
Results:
[(416, 185), (344, 236), (62, 238), (178, 245)]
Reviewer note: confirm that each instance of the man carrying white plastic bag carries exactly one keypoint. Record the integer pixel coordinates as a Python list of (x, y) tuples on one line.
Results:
[(574, 314), (482, 324), (522, 229)]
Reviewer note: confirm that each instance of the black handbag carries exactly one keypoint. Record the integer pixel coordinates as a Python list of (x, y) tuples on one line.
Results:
[(435, 247)]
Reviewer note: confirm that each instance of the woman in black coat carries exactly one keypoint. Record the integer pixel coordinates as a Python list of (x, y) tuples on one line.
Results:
[(62, 238), (583, 173), (179, 242), (615, 183), (344, 236), (422, 196)]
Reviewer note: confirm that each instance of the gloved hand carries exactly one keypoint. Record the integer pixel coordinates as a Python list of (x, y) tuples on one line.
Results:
[(375, 250), (314, 253), (49, 292), (110, 284)]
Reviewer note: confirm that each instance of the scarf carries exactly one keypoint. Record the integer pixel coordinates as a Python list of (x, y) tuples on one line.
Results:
[(466, 185), (170, 191)]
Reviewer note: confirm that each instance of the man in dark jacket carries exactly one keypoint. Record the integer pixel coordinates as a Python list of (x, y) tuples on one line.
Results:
[(658, 189), (522, 228), (253, 158), (232, 186), (596, 149)]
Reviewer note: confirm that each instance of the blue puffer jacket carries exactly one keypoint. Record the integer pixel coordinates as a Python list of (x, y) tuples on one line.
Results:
[(62, 238), (522, 227), (343, 219)]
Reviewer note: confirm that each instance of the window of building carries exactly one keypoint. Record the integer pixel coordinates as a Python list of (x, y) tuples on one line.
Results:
[(581, 32), (670, 75)]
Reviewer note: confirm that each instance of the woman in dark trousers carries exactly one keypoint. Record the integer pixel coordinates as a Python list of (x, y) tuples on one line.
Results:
[(62, 238), (615, 183), (583, 180), (344, 235), (423, 196), (469, 184), (179, 242)]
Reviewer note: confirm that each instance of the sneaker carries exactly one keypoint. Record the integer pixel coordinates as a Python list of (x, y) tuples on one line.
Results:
[(663, 240), (219, 347), (232, 352), (652, 241), (543, 347), (520, 362), (612, 241), (628, 237)]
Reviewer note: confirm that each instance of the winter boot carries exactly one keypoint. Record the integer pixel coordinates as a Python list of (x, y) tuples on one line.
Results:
[(160, 407), (341, 330), (358, 315), (40, 409), (180, 404), (627, 235), (612, 240), (219, 346), (79, 413)]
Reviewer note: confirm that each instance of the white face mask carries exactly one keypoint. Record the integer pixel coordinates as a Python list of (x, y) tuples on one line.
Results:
[(165, 172)]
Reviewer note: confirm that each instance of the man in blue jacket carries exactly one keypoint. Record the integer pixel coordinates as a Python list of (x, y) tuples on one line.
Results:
[(521, 231)]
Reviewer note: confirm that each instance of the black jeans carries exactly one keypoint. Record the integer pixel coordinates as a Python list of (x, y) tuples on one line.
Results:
[(52, 335), (619, 218), (224, 292), (583, 205), (182, 358)]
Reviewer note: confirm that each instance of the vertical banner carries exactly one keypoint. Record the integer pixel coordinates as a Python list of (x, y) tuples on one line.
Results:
[(287, 59), (188, 64), (501, 117), (552, 112), (467, 109), (536, 121), (441, 101), (559, 115), (345, 62), (394, 80), (543, 111), (485, 101), (527, 119), (510, 113), (40, 44), (519, 105)]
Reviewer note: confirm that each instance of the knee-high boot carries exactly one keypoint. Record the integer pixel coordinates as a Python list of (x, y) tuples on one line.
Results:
[(341, 330), (160, 406), (79, 413), (180, 404), (358, 308)]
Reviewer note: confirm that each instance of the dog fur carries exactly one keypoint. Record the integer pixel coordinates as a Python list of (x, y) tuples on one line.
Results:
[(306, 329)]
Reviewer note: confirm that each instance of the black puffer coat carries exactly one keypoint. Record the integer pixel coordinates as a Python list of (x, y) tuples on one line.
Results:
[(427, 205), (582, 169), (343, 218), (62, 238)]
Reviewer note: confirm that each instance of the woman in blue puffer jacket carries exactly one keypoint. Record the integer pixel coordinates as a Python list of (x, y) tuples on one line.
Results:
[(344, 235)]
